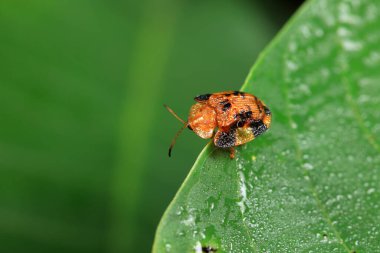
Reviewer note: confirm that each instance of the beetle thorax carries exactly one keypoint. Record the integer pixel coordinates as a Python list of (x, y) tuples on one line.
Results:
[(202, 120)]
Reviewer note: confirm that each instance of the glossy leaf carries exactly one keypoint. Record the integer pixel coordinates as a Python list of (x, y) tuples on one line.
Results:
[(311, 184), (81, 89)]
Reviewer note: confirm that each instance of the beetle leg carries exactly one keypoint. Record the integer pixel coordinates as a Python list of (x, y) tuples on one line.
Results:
[(232, 152)]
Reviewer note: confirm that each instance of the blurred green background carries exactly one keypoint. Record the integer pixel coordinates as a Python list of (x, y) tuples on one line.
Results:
[(84, 135)]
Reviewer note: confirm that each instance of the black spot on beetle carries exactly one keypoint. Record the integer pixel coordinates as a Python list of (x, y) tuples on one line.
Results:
[(243, 115), (258, 105), (226, 107), (226, 139), (239, 93), (258, 127), (267, 111), (208, 249), (203, 97), (259, 108), (227, 95), (240, 123)]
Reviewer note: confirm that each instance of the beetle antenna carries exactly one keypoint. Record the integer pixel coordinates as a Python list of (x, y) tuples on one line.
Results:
[(174, 114), (175, 138)]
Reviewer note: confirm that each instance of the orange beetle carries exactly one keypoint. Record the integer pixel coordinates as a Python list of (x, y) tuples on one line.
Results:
[(238, 116)]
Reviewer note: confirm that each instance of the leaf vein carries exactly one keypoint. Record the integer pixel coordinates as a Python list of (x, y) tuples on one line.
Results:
[(299, 155)]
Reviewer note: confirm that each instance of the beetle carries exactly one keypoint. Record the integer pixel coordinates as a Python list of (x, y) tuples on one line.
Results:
[(231, 118)]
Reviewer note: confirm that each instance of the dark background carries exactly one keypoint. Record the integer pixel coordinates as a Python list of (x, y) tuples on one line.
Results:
[(83, 133)]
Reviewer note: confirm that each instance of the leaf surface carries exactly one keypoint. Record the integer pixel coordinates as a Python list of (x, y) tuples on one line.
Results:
[(311, 184), (79, 114)]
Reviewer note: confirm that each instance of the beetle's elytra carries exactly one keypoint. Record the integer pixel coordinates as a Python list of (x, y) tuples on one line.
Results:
[(237, 117)]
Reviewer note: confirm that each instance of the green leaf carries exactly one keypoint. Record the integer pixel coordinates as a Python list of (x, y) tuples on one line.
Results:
[(311, 184), (81, 89)]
